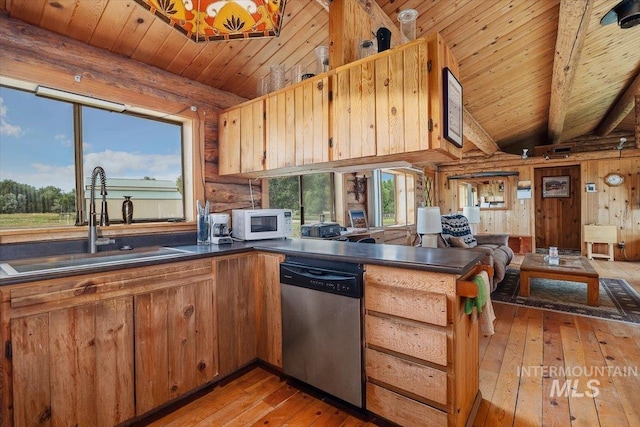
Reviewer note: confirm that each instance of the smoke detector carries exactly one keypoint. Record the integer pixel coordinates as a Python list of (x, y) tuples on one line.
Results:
[(626, 13)]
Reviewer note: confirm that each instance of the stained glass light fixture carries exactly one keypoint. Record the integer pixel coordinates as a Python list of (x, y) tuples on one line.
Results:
[(209, 20)]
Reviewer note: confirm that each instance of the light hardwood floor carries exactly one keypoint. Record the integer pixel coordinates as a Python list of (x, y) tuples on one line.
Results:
[(539, 340), (544, 341), (261, 398)]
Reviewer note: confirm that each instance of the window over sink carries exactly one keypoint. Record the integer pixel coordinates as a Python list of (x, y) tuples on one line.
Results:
[(49, 147)]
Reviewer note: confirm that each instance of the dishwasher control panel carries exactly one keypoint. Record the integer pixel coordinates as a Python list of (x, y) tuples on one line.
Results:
[(334, 277)]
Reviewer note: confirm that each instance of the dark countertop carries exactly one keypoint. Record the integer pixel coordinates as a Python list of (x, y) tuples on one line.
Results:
[(451, 261)]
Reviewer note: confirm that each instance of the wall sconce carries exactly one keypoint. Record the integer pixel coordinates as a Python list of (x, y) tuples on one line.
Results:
[(428, 226), (359, 185)]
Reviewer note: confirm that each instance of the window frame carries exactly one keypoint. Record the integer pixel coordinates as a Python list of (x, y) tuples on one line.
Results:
[(404, 193), (300, 178), (189, 132), (470, 193)]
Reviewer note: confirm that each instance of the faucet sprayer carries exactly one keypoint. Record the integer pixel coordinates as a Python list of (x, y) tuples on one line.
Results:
[(94, 240)]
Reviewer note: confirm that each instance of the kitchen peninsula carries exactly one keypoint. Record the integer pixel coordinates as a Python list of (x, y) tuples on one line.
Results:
[(154, 332)]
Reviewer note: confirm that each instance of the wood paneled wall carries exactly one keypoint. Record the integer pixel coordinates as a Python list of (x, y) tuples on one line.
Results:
[(351, 199), (515, 219), (38, 56), (619, 206)]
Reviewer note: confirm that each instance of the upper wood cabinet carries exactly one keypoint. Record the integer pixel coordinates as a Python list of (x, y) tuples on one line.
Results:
[(284, 129), (229, 142), (297, 128), (380, 105), (384, 108), (243, 130), (354, 111)]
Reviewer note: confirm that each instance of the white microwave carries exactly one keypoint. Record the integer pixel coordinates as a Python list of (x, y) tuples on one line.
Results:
[(257, 224)]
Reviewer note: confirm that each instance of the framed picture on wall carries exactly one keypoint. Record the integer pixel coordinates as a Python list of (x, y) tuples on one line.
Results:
[(555, 186), (452, 108), (358, 218)]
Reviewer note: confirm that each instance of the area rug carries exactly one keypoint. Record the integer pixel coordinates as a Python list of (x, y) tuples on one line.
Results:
[(618, 300)]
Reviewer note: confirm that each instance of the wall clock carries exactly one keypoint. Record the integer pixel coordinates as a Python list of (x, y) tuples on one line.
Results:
[(614, 179)]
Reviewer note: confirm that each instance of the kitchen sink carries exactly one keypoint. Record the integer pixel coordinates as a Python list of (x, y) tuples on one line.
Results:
[(73, 262)]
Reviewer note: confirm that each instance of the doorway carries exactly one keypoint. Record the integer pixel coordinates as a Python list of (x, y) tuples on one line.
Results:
[(557, 201)]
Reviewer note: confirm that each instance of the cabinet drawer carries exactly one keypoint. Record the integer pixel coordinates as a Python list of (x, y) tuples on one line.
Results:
[(420, 380), (401, 409), (400, 278), (412, 304), (74, 290), (425, 343)]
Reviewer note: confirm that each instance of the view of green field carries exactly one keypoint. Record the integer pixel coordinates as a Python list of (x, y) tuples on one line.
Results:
[(24, 220)]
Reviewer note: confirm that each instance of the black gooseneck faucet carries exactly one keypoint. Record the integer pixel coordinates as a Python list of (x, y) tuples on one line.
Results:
[(94, 240)]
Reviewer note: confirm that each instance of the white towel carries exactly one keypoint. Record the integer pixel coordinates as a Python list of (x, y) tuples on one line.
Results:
[(487, 316)]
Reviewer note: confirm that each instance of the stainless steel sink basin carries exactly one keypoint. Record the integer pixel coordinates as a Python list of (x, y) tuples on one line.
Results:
[(75, 262)]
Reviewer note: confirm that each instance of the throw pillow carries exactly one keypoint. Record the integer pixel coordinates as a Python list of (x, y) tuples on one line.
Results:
[(458, 242)]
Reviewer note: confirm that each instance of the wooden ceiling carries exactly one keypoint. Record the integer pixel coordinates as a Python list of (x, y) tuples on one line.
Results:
[(506, 50)]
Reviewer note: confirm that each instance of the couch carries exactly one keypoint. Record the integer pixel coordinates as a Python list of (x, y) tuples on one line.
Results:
[(456, 233)]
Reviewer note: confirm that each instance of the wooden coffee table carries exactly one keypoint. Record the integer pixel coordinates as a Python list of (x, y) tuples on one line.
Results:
[(571, 268)]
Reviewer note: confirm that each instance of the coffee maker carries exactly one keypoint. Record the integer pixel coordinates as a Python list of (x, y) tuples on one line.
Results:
[(220, 229)]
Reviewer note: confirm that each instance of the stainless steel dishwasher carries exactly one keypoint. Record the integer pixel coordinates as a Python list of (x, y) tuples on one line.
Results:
[(322, 325)]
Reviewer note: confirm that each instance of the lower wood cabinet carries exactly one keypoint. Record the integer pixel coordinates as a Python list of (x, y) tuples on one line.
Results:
[(421, 350), (269, 308), (237, 326), (74, 366), (175, 342), (99, 349)]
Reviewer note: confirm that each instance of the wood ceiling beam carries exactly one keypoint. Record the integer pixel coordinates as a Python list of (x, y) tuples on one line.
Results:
[(621, 109), (350, 22), (477, 135), (377, 16), (573, 24), (380, 19)]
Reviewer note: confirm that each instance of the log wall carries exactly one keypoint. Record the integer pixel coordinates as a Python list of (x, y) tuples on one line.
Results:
[(39, 56)]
